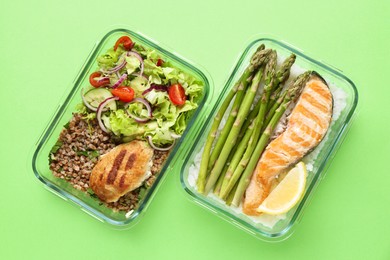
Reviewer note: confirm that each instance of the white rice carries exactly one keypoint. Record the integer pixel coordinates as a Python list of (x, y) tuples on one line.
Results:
[(269, 221)]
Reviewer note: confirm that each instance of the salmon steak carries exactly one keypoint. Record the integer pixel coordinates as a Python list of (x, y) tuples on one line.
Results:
[(306, 127)]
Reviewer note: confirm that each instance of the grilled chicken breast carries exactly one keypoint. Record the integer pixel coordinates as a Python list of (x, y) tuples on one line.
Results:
[(121, 170), (308, 124)]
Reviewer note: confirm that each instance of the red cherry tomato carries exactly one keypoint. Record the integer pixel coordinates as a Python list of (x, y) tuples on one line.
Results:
[(98, 82), (159, 62), (125, 94), (125, 41), (177, 94)]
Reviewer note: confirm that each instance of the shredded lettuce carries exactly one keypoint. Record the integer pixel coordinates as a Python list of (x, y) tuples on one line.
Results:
[(138, 110), (132, 64), (109, 59), (139, 84)]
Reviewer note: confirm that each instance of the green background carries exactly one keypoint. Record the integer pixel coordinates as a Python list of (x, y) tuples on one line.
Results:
[(44, 44)]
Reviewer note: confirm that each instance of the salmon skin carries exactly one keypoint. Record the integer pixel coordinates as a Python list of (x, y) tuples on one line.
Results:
[(306, 127)]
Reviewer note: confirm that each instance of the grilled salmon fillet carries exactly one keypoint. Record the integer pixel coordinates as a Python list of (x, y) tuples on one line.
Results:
[(308, 124), (121, 170)]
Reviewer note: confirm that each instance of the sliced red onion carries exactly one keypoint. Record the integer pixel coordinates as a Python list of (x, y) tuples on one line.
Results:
[(85, 101), (155, 87), (175, 136), (135, 54), (115, 69), (146, 104), (120, 80), (99, 112), (159, 148), (103, 79)]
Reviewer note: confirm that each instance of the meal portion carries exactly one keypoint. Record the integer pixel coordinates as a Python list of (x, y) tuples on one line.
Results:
[(254, 161), (136, 106)]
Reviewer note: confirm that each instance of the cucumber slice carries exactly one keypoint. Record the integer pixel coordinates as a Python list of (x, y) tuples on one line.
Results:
[(97, 95)]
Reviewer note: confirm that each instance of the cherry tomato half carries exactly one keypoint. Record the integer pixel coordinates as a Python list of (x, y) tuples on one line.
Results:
[(159, 62), (98, 82), (125, 41), (177, 94), (125, 94)]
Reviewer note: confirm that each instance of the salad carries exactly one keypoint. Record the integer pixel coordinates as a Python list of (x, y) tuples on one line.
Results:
[(136, 94)]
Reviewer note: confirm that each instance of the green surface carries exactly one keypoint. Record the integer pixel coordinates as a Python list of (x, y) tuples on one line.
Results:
[(43, 45)]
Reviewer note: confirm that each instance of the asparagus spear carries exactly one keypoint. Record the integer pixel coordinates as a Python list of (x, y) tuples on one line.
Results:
[(229, 122), (218, 186), (236, 158), (230, 197), (284, 72), (281, 76), (256, 60), (249, 120), (275, 106), (292, 92), (234, 131), (237, 149)]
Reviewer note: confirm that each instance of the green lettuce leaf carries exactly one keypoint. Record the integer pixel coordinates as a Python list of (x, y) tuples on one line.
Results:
[(139, 84), (109, 59), (132, 64), (153, 72), (122, 124), (138, 110)]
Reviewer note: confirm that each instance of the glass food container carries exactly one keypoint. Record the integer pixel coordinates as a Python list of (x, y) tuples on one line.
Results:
[(63, 114), (266, 227)]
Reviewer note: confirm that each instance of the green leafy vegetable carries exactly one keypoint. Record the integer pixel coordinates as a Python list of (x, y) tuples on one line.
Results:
[(56, 147), (89, 153), (132, 64)]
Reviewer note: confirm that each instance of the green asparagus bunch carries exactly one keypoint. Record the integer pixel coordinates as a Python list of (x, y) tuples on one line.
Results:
[(239, 160), (257, 60)]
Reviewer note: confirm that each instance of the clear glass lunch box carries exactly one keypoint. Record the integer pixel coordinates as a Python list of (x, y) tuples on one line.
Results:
[(63, 114), (276, 228)]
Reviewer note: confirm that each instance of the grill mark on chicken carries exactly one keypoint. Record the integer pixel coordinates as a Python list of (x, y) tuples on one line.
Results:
[(130, 161), (115, 167), (122, 180)]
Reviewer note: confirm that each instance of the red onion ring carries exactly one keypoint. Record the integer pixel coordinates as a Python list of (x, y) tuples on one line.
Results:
[(155, 87), (175, 136), (99, 112), (103, 79), (159, 148), (87, 104), (146, 104), (120, 80), (115, 69), (135, 54)]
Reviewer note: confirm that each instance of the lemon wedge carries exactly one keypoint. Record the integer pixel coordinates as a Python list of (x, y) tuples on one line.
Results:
[(288, 192)]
